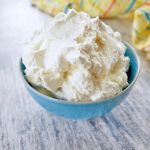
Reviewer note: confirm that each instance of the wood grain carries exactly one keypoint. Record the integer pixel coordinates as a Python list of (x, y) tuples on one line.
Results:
[(24, 125)]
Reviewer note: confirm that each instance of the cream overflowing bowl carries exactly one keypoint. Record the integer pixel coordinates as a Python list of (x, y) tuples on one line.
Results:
[(76, 58)]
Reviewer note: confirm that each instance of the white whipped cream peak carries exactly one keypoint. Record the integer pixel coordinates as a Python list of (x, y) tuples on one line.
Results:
[(76, 58)]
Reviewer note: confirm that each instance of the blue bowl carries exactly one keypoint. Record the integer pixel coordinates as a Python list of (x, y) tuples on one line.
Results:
[(86, 110)]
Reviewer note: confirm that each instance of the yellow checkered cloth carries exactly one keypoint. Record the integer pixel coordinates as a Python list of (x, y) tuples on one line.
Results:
[(108, 8)]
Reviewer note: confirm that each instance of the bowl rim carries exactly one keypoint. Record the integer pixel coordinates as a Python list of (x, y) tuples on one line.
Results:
[(87, 102)]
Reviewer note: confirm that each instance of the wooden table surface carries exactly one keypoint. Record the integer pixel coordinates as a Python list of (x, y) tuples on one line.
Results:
[(24, 125)]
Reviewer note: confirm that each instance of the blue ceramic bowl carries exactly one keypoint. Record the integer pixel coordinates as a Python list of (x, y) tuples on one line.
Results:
[(86, 110)]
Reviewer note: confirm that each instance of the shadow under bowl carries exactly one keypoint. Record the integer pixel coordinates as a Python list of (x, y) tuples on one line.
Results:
[(85, 110)]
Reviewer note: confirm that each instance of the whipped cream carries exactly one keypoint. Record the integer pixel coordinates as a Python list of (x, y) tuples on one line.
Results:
[(76, 58)]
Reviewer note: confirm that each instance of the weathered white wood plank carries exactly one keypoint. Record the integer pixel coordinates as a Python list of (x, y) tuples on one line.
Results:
[(24, 125)]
